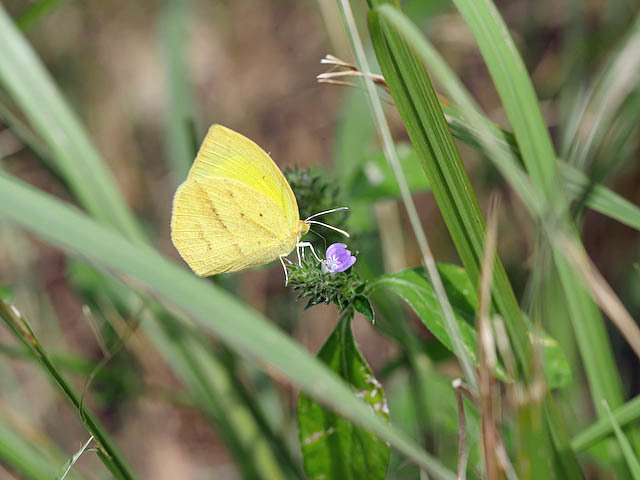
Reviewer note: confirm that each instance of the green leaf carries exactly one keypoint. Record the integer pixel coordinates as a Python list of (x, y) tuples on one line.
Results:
[(414, 288), (332, 447), (375, 180), (363, 306), (412, 285)]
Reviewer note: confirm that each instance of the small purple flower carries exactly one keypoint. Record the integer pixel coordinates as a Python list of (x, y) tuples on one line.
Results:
[(338, 258)]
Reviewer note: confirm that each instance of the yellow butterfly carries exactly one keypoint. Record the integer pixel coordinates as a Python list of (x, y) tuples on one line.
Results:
[(236, 209)]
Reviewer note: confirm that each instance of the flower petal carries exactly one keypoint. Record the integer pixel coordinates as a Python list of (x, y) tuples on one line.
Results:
[(346, 264), (338, 258), (342, 255), (334, 248)]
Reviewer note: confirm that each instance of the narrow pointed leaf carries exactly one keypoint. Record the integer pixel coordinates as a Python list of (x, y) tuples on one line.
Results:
[(412, 285), (420, 109)]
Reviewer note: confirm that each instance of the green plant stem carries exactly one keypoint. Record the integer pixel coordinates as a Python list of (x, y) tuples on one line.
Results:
[(625, 446), (26, 336), (602, 428)]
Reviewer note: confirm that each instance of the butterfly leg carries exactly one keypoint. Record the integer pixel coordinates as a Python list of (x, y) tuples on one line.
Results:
[(298, 253), (308, 244), (286, 273)]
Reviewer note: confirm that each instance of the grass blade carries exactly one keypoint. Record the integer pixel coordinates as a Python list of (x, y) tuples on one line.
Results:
[(515, 89), (212, 387), (518, 97), (21, 131), (179, 118), (602, 428), (533, 433), (24, 76), (470, 125), (616, 81), (77, 162), (600, 198), (72, 461), (627, 451), (427, 128), (213, 309), (392, 157), (19, 454)]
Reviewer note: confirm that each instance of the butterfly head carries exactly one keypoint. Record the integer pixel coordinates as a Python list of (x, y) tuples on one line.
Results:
[(303, 228)]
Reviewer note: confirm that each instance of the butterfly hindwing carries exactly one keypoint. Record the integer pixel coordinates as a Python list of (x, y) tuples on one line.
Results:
[(221, 225)]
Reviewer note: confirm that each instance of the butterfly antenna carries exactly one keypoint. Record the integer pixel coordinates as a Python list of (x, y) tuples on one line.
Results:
[(325, 212), (329, 226)]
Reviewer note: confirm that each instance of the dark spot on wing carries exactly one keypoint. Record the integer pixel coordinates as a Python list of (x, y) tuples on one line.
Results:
[(260, 214)]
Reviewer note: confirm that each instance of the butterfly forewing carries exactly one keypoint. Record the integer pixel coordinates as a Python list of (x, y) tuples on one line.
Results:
[(227, 154)]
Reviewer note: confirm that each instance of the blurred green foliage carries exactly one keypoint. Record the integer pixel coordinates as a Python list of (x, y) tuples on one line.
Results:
[(101, 105)]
